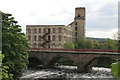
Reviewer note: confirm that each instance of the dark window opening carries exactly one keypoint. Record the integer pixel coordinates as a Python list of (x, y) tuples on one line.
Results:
[(34, 38), (78, 15), (76, 28), (48, 38), (76, 23), (75, 39), (59, 37), (48, 30), (48, 46), (76, 34)]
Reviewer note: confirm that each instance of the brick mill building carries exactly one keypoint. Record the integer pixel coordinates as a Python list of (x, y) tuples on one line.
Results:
[(55, 36)]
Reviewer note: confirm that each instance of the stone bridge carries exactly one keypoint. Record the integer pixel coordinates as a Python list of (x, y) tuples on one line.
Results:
[(83, 60)]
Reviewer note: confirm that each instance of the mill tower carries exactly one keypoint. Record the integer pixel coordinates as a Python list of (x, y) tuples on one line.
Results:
[(79, 22)]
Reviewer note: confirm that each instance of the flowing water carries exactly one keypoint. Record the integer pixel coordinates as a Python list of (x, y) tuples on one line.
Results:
[(68, 72)]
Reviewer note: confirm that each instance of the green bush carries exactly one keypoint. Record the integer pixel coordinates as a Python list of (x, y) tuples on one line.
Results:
[(69, 45), (116, 69)]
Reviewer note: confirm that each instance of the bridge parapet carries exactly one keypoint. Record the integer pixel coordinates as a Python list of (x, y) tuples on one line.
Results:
[(90, 51), (74, 50)]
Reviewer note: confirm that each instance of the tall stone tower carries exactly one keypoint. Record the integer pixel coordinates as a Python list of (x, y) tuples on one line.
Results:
[(79, 23)]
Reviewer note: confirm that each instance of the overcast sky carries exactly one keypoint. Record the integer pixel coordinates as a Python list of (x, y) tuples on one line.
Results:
[(101, 15)]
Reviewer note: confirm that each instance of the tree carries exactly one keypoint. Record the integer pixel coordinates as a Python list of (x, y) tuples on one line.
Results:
[(89, 44), (14, 46), (109, 44), (84, 44), (69, 45), (4, 69), (80, 44), (96, 45)]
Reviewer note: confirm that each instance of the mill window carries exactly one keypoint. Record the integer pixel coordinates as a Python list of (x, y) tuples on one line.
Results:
[(44, 30), (48, 38), (59, 37), (48, 30), (29, 31), (76, 23), (76, 34), (75, 28), (35, 30), (29, 37), (53, 37), (39, 30), (75, 39), (53, 30), (35, 38), (60, 30)]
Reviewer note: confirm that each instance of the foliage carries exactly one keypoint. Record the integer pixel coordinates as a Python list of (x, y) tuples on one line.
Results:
[(116, 69), (109, 44), (89, 44), (96, 45), (4, 69), (14, 45), (80, 44), (84, 44), (69, 45), (65, 61)]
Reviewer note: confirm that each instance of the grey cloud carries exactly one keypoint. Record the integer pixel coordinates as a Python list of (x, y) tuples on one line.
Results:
[(103, 23), (108, 9), (106, 17)]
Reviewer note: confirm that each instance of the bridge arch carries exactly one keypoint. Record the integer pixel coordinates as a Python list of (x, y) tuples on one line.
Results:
[(101, 61), (55, 59), (34, 62)]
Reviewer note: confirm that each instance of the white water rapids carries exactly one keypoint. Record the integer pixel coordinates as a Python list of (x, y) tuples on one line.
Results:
[(96, 72)]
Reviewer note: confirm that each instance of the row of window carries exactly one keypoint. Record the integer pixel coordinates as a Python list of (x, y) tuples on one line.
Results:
[(45, 30), (51, 44), (39, 38)]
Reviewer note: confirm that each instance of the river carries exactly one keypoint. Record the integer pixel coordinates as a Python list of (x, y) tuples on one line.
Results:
[(68, 72)]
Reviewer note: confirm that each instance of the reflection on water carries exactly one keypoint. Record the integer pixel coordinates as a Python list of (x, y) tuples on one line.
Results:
[(68, 72)]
